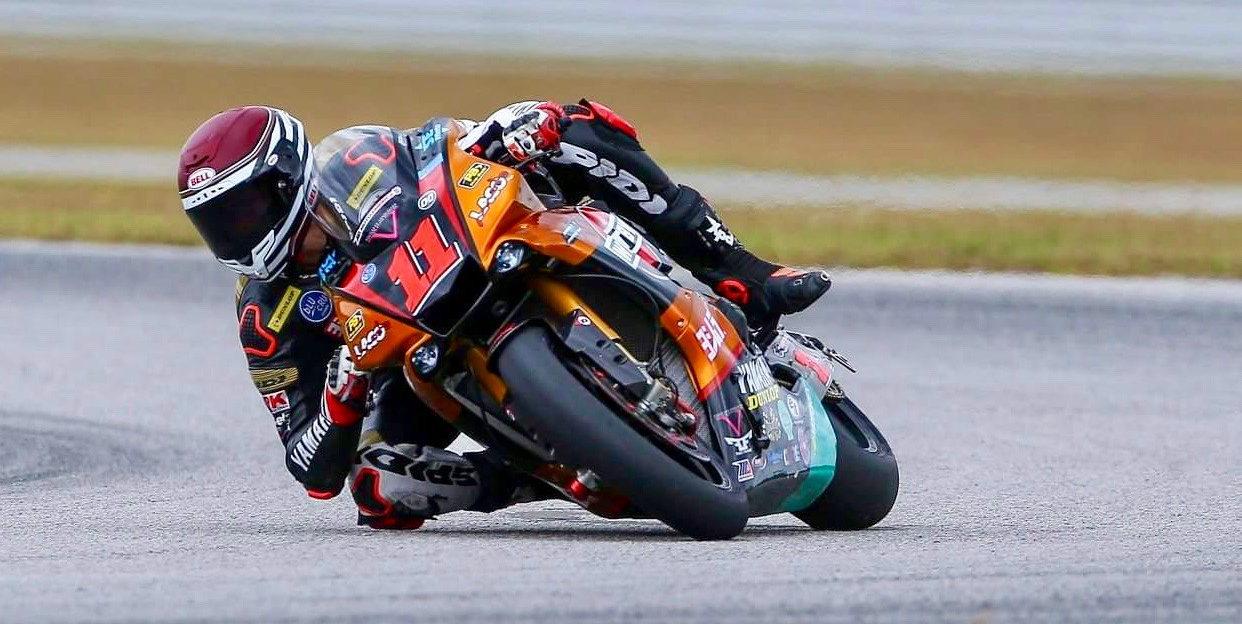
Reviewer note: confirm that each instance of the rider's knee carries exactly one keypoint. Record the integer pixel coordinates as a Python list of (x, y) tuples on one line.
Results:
[(410, 482)]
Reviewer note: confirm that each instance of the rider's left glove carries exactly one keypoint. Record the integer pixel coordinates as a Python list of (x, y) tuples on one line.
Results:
[(535, 132), (345, 392)]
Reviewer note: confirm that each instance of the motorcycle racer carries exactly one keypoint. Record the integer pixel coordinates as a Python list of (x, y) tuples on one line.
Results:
[(267, 205)]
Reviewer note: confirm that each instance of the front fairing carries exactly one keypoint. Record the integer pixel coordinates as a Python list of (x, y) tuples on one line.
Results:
[(415, 249)]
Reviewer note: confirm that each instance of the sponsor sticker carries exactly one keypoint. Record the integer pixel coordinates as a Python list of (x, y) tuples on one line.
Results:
[(374, 207), (794, 410), (383, 226), (276, 402), (428, 138), (782, 346), (733, 419), (199, 177), (368, 273), (315, 306), (363, 186), (761, 398), (330, 263), (286, 305), (756, 383), (471, 177), (772, 426), (623, 241), (270, 379), (711, 336), (427, 200), (371, 340), (745, 470), (354, 325), (490, 195), (741, 446)]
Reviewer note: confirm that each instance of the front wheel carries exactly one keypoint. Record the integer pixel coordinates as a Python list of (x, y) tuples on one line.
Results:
[(584, 432), (864, 487)]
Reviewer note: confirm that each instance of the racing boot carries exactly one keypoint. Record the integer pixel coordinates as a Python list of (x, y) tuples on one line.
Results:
[(765, 291), (399, 486)]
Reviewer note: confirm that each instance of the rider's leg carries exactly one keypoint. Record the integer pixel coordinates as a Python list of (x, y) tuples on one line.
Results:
[(604, 147), (402, 474)]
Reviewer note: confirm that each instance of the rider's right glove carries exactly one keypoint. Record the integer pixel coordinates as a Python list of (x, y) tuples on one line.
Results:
[(535, 132), (345, 393)]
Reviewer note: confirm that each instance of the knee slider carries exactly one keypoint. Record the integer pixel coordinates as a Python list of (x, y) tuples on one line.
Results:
[(414, 480)]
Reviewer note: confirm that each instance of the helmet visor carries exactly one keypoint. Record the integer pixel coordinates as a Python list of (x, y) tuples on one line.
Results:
[(239, 219), (331, 220)]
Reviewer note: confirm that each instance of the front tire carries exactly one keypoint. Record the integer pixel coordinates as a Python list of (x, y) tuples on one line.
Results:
[(865, 484), (586, 433)]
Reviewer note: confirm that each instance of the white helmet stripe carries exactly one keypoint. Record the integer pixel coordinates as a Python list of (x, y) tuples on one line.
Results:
[(239, 175)]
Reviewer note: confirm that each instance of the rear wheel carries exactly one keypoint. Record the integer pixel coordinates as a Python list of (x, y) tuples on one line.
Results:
[(584, 432), (865, 484)]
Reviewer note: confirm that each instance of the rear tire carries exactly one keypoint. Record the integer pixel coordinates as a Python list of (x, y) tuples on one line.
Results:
[(865, 484), (584, 432)]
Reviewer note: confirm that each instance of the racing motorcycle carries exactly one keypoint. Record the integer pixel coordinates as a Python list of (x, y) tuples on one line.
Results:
[(554, 335)]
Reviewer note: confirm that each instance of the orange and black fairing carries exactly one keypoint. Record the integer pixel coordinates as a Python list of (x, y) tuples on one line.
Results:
[(444, 229)]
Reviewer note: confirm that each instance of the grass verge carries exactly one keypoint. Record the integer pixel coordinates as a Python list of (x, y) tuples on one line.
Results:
[(804, 119), (1052, 242), (1111, 244), (64, 210)]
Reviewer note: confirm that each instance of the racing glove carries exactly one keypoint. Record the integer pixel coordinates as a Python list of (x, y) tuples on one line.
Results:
[(535, 132), (345, 391)]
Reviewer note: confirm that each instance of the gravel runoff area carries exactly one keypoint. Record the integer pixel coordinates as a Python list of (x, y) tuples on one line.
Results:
[(1069, 449), (775, 189)]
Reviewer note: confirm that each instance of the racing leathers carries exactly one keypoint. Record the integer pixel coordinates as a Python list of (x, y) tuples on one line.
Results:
[(320, 406), (401, 473)]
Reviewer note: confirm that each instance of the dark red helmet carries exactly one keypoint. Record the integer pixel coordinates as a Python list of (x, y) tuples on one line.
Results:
[(247, 180)]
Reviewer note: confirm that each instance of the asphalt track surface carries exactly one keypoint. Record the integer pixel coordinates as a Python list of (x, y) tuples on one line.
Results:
[(1070, 451)]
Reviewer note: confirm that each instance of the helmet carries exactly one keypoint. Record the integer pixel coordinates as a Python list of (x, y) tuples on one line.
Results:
[(247, 182)]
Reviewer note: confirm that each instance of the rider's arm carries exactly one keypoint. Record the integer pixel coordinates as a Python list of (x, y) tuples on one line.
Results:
[(289, 358)]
